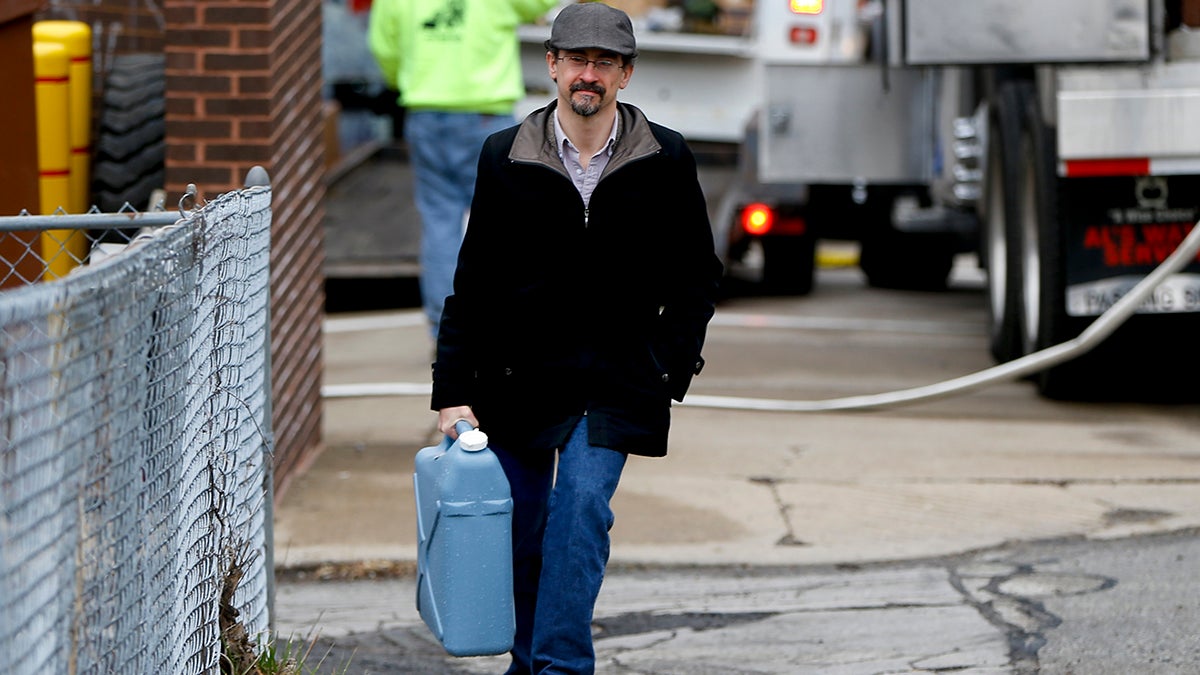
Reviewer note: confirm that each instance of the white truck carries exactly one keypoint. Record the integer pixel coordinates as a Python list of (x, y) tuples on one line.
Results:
[(1058, 139)]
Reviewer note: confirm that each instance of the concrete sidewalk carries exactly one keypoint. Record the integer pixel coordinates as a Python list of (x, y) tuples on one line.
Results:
[(743, 487), (749, 549)]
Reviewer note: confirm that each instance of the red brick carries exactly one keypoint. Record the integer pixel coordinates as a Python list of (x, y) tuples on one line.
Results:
[(200, 84), (239, 152), (237, 61), (254, 129), (253, 84), (254, 38), (238, 15), (195, 129), (237, 106), (211, 179), (177, 152), (181, 15), (206, 37), (181, 106), (1190, 12), (179, 60)]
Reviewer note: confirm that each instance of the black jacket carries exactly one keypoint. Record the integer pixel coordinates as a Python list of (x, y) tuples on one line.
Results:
[(560, 309)]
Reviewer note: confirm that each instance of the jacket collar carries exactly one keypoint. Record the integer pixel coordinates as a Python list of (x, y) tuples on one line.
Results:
[(535, 141)]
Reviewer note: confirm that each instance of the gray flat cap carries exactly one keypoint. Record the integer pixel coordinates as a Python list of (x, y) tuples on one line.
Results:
[(593, 25)]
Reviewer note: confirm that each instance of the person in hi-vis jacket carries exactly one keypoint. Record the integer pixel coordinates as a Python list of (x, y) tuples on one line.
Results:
[(456, 64)]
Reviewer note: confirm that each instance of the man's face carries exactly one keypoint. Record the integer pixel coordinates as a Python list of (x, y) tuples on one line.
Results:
[(588, 80)]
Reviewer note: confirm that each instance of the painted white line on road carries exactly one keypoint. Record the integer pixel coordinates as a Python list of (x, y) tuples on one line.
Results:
[(1094, 334), (414, 318), (368, 389), (737, 320), (398, 319)]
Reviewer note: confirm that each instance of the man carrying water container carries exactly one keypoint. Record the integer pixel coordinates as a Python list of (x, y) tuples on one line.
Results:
[(583, 290)]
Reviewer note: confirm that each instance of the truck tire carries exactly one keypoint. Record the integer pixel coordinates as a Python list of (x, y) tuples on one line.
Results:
[(1002, 246), (788, 265), (1044, 311), (130, 151)]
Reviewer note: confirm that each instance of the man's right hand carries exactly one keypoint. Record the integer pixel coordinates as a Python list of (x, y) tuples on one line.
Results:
[(448, 416)]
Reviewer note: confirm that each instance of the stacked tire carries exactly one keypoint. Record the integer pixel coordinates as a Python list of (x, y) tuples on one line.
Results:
[(130, 149)]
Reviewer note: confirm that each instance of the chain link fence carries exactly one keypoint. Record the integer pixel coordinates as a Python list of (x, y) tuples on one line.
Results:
[(135, 443)]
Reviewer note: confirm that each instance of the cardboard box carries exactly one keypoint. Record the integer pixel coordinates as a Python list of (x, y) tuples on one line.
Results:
[(636, 8), (734, 21)]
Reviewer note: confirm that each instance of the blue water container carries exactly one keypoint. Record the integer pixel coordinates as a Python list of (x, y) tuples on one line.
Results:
[(464, 545)]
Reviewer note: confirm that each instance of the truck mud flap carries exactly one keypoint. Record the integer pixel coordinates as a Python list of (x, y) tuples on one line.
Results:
[(1113, 231), (1117, 229)]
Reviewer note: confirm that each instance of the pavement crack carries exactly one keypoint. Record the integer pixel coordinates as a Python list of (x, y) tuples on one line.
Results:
[(922, 664), (638, 623), (1023, 646), (1121, 516), (1005, 599), (772, 484)]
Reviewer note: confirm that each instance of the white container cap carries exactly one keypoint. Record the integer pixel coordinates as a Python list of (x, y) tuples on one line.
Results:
[(473, 440)]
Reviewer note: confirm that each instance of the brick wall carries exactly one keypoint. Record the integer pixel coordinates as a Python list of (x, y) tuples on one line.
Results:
[(297, 111), (244, 88), (243, 82)]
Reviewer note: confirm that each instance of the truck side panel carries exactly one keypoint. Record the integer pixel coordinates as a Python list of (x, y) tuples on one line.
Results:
[(846, 123), (1148, 112), (948, 32)]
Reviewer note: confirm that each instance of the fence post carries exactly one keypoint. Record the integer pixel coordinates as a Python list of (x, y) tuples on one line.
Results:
[(257, 177)]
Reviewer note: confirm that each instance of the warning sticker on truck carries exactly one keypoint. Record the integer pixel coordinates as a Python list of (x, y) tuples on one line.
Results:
[(1177, 293), (1117, 230)]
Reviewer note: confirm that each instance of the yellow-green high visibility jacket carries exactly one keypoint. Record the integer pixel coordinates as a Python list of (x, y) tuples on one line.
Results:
[(456, 55)]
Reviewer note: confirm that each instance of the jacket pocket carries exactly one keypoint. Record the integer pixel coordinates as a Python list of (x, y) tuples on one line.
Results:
[(673, 369)]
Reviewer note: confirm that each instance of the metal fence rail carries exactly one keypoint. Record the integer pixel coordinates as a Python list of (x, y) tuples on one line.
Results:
[(35, 248), (135, 446)]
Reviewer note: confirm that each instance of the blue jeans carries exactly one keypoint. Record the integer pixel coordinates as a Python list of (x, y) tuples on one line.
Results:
[(560, 551), (443, 150)]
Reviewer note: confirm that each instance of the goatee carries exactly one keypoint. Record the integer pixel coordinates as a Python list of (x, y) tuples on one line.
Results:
[(589, 105)]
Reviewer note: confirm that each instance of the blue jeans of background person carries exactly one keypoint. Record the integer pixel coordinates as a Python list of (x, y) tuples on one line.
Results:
[(560, 550), (443, 149)]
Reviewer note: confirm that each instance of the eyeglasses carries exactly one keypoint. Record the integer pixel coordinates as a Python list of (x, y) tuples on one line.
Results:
[(601, 66)]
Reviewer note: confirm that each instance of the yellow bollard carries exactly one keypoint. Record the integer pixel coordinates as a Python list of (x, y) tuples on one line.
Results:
[(76, 37), (50, 69)]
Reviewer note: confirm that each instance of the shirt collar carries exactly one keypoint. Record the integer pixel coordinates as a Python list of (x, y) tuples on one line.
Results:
[(563, 141)]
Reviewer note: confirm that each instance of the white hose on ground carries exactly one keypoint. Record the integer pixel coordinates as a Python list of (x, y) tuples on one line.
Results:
[(1093, 335)]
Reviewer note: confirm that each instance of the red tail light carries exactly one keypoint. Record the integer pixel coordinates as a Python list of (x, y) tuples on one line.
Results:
[(803, 35), (758, 219)]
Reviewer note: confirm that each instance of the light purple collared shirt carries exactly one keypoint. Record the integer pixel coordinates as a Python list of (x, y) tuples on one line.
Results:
[(585, 179)]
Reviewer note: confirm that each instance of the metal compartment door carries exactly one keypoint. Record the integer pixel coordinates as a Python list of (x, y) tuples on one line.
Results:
[(1148, 111), (838, 124), (949, 32)]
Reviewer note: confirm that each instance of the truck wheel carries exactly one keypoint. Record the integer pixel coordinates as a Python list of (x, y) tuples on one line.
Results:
[(1044, 312), (1002, 247), (788, 265), (130, 146)]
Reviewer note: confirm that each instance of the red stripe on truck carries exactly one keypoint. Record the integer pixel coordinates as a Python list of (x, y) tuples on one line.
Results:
[(1076, 168)]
